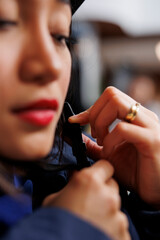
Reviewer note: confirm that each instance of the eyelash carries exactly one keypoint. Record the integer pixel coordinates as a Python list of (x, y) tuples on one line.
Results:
[(6, 23), (61, 39)]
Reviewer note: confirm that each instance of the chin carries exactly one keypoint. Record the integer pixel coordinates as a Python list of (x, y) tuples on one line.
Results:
[(35, 151), (29, 149), (35, 154), (29, 154)]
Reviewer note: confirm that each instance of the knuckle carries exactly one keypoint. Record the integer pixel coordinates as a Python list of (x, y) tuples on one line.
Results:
[(109, 166), (155, 116), (113, 202), (86, 177), (106, 165), (121, 127), (111, 91), (115, 100), (114, 185), (113, 95)]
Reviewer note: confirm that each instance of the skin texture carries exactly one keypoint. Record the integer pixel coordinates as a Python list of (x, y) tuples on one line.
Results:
[(102, 201), (132, 148), (36, 64)]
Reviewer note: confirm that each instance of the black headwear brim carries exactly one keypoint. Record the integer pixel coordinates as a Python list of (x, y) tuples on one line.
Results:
[(75, 4)]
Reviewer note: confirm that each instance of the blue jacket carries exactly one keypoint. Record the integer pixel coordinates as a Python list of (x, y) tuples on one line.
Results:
[(19, 222)]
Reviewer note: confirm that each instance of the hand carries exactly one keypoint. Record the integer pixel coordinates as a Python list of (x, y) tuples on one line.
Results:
[(133, 149), (93, 195)]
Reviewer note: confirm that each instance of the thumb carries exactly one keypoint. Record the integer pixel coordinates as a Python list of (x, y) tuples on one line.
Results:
[(81, 118), (94, 151)]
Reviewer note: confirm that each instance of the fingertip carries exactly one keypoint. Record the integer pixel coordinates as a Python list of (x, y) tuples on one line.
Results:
[(99, 141), (77, 117), (73, 119), (81, 118)]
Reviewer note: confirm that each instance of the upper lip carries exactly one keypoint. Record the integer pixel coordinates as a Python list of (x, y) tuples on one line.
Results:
[(41, 104)]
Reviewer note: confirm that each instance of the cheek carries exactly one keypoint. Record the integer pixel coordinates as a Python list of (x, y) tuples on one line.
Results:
[(8, 68), (6, 83), (15, 141), (66, 76)]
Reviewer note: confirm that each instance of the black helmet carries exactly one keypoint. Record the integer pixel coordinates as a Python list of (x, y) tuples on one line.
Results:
[(75, 4)]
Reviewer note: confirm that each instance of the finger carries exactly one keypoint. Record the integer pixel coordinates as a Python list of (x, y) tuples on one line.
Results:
[(113, 198), (81, 118), (93, 150), (84, 117), (113, 185), (99, 106), (155, 116), (119, 107), (145, 118), (123, 225), (102, 170), (111, 111), (124, 131), (115, 104), (107, 116)]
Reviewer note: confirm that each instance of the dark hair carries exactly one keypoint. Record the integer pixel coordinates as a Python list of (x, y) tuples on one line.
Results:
[(71, 94)]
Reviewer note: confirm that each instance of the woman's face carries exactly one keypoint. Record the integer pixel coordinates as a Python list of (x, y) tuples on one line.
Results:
[(35, 66)]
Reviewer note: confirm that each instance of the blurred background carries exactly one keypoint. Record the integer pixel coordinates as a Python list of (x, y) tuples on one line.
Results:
[(118, 45)]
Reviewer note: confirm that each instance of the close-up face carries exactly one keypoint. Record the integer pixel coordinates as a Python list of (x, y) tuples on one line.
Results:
[(35, 66)]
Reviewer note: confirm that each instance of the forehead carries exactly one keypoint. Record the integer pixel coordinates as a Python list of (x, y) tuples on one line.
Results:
[(38, 1), (37, 8), (34, 2)]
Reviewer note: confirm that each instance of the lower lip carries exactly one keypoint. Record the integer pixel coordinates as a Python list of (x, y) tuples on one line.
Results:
[(37, 117)]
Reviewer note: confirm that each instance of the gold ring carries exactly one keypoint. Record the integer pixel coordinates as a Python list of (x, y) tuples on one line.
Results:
[(133, 112)]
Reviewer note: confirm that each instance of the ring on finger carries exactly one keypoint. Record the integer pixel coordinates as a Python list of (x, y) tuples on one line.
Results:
[(133, 112)]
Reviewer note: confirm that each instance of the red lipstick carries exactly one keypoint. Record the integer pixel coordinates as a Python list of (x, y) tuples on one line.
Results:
[(39, 113)]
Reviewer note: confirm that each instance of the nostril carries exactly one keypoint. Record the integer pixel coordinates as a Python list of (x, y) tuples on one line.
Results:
[(34, 70), (43, 78)]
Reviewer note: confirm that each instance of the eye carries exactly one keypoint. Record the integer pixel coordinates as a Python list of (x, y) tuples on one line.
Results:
[(63, 40), (4, 23)]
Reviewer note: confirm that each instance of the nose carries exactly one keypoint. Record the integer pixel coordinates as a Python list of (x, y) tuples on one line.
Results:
[(41, 61)]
